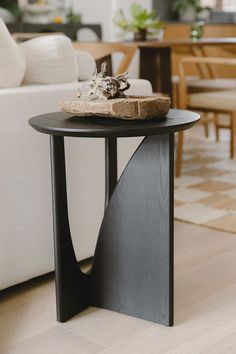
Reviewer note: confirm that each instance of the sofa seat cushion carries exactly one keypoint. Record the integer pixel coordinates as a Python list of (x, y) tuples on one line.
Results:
[(12, 60), (175, 79), (196, 84), (50, 60), (220, 100), (137, 87), (58, 92)]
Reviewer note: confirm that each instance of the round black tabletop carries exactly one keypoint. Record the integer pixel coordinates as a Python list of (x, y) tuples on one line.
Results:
[(63, 124)]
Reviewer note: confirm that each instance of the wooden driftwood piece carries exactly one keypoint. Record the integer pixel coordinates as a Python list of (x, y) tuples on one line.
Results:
[(130, 107)]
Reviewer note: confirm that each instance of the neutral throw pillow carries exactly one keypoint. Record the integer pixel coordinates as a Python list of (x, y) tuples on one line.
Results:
[(12, 60), (50, 60), (86, 65)]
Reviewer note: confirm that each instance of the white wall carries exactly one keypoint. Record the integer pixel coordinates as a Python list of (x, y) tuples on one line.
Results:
[(102, 11)]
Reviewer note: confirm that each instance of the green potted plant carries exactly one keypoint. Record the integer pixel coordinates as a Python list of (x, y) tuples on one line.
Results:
[(141, 22), (187, 9), (73, 17)]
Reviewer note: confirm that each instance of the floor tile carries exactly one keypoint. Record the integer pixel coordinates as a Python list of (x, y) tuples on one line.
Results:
[(189, 194), (188, 155), (219, 201), (176, 340), (200, 343), (197, 213), (205, 310), (57, 340), (230, 193), (227, 177), (205, 300), (226, 345), (198, 282), (213, 186), (186, 181), (225, 165), (106, 327), (189, 242), (188, 168), (178, 203), (226, 223), (26, 311), (207, 172), (204, 159)]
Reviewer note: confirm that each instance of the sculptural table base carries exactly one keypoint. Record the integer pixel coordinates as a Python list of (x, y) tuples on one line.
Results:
[(133, 264)]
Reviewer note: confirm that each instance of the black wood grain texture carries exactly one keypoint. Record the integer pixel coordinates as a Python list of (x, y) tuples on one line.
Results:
[(64, 124), (72, 286), (133, 264)]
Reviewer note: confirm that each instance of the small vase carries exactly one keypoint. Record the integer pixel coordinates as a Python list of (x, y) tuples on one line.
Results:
[(141, 35), (156, 36), (188, 15)]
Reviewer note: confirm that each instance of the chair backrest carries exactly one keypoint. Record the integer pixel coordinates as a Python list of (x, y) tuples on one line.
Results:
[(182, 94), (100, 50)]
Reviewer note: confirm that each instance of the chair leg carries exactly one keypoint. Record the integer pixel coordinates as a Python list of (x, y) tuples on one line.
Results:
[(179, 154), (205, 124), (232, 133), (175, 100), (217, 127)]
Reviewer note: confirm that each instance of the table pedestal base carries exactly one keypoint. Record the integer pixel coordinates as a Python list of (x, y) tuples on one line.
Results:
[(133, 263)]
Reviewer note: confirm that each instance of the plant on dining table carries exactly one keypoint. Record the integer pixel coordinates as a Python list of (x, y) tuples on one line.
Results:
[(188, 9), (141, 22)]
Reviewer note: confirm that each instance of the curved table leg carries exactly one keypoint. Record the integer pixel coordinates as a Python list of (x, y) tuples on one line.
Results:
[(133, 263)]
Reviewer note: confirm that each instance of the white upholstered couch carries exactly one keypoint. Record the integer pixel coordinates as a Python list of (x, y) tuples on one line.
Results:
[(26, 243)]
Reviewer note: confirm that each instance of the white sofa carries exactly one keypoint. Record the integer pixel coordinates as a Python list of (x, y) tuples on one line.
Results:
[(26, 242)]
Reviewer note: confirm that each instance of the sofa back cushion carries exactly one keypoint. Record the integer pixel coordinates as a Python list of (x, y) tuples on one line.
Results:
[(12, 60), (49, 60)]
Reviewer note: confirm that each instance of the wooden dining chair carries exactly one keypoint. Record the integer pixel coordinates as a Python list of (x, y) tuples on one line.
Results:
[(217, 102), (103, 51), (203, 77)]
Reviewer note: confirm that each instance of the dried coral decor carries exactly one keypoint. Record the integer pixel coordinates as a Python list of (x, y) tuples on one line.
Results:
[(105, 97)]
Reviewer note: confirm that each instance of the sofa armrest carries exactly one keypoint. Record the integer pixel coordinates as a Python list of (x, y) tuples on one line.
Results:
[(139, 87), (86, 65)]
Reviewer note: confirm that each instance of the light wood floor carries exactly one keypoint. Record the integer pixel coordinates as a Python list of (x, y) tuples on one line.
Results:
[(205, 309)]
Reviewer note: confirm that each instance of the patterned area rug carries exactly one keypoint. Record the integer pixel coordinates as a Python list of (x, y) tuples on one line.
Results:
[(205, 194)]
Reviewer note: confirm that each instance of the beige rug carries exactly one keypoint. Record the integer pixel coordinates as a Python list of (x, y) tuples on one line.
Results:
[(205, 194)]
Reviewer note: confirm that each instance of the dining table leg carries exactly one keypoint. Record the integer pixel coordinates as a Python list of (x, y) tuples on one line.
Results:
[(155, 66)]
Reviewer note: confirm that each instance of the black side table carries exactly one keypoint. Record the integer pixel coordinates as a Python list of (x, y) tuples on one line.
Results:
[(132, 271)]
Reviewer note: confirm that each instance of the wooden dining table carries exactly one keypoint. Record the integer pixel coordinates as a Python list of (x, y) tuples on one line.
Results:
[(155, 58)]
